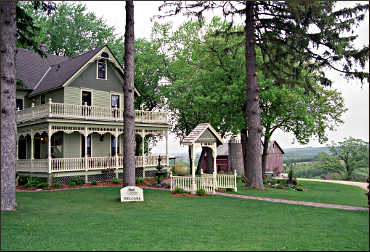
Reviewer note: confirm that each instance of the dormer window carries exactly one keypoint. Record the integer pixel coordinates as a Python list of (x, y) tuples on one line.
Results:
[(102, 69)]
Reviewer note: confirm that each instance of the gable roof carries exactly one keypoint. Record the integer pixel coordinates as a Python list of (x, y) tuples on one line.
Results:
[(59, 73), (43, 74), (198, 131), (37, 66), (276, 143)]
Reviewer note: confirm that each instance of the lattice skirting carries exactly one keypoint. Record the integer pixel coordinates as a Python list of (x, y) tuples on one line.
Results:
[(138, 173), (101, 177), (67, 179)]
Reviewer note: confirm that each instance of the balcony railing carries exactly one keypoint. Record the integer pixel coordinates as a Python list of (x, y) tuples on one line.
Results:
[(84, 112), (80, 164)]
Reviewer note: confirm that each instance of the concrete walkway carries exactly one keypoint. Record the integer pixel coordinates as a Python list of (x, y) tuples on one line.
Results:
[(363, 185), (294, 202)]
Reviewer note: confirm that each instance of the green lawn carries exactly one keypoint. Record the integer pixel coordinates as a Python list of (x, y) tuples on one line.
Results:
[(94, 219), (316, 192)]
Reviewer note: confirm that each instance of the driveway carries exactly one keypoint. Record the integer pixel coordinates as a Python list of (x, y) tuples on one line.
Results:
[(363, 185)]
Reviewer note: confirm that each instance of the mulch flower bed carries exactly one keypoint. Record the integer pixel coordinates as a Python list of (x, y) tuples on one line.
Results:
[(62, 186), (150, 182), (189, 195)]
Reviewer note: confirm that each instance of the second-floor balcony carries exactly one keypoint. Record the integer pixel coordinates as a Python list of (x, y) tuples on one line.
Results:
[(84, 112)]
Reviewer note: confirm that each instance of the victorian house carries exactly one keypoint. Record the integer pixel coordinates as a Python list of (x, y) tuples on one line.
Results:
[(70, 118)]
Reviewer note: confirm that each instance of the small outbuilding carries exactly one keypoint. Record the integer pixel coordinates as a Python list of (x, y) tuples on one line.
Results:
[(230, 158)]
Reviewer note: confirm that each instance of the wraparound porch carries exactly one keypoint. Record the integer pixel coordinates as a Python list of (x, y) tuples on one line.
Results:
[(62, 170), (85, 163)]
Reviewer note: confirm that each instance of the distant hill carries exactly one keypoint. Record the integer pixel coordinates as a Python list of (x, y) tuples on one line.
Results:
[(303, 154)]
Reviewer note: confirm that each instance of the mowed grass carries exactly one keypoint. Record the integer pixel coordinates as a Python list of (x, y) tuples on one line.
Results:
[(321, 192), (94, 219)]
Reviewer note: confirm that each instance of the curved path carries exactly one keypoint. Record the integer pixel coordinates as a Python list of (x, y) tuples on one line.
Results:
[(363, 185), (294, 202)]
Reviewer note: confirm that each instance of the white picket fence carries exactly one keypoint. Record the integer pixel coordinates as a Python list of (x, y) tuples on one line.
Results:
[(209, 182)]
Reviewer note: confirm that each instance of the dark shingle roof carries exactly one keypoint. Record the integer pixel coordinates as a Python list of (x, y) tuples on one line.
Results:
[(31, 67), (59, 73)]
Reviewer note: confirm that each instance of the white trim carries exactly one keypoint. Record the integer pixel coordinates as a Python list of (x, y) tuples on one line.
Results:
[(97, 56), (85, 143), (87, 90), (97, 68), (119, 95)]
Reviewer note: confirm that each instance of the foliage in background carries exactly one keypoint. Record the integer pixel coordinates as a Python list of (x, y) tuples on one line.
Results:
[(207, 72), (346, 156)]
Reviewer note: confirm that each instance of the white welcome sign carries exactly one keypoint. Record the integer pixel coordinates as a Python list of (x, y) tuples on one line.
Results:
[(131, 193)]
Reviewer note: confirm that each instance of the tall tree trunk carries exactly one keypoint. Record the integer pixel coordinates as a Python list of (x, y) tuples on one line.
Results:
[(8, 110), (254, 166), (243, 141), (264, 154), (128, 89)]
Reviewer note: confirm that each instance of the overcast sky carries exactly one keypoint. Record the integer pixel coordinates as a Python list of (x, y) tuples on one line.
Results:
[(356, 96)]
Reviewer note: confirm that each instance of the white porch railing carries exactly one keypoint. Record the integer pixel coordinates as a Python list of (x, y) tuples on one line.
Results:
[(61, 110), (209, 182), (37, 165), (79, 164)]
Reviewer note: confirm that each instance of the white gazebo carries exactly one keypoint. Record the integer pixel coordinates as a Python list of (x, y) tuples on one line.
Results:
[(205, 136)]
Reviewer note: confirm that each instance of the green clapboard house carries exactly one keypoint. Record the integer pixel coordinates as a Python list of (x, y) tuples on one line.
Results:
[(70, 118)]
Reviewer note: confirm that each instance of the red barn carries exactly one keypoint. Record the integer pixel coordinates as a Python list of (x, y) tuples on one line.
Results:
[(230, 158)]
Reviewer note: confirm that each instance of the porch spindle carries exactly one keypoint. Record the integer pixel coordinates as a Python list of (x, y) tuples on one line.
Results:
[(142, 146)]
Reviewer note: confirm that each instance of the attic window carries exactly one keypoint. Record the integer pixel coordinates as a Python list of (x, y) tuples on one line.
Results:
[(105, 55), (102, 69)]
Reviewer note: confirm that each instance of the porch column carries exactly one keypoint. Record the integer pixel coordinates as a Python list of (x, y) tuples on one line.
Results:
[(116, 154), (49, 148), (50, 178), (214, 148), (193, 189), (32, 150), (85, 137), (142, 153), (50, 102), (166, 135), (214, 153)]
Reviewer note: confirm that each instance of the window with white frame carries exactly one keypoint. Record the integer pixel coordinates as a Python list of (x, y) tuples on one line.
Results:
[(102, 69)]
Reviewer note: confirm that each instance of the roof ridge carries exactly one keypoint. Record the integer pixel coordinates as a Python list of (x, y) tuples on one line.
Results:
[(87, 52)]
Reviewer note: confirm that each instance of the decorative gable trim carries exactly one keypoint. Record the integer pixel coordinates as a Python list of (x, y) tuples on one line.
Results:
[(198, 131), (96, 57)]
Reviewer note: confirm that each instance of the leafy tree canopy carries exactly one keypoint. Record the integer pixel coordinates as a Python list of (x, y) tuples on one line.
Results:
[(346, 156)]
